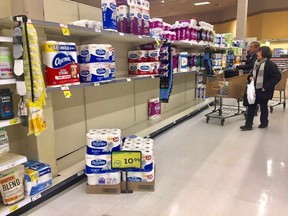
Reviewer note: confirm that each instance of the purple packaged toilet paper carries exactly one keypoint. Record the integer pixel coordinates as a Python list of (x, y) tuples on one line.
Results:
[(145, 18), (123, 18), (135, 18), (109, 17)]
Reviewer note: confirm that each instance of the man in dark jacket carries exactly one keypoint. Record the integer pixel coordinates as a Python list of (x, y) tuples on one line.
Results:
[(250, 58), (265, 75)]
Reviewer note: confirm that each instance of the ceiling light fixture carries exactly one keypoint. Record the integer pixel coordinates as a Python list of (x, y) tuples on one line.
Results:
[(201, 3)]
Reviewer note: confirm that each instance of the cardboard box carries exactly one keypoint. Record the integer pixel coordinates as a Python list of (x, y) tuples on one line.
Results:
[(103, 189), (139, 186)]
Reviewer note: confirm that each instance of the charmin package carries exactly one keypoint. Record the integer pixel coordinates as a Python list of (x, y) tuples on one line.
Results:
[(12, 188), (38, 177), (4, 142)]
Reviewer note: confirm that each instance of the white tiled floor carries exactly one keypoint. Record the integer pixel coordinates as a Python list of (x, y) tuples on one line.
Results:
[(202, 170)]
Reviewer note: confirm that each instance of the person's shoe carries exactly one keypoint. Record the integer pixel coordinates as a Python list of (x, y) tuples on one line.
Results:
[(263, 126), (246, 128)]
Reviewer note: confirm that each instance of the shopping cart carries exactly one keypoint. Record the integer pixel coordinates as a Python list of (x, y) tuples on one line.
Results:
[(219, 88), (281, 86)]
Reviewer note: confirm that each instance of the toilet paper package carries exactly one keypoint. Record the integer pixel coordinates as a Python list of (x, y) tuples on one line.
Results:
[(183, 62), (144, 68), (139, 176), (98, 163), (145, 17), (92, 53), (38, 177), (154, 109), (109, 178), (156, 67), (96, 72), (60, 63), (137, 56), (153, 55), (135, 18), (102, 142), (4, 141), (83, 23), (109, 15), (123, 18)]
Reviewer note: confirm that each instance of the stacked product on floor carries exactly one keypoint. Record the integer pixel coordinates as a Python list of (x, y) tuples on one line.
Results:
[(147, 172), (38, 177), (100, 144), (154, 109), (60, 63), (144, 62), (97, 62), (133, 16)]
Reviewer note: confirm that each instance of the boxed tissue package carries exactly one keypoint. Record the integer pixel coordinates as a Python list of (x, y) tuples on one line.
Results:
[(37, 177)]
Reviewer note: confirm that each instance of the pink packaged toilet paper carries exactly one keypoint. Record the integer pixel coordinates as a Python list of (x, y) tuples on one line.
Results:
[(137, 56), (154, 109), (123, 18)]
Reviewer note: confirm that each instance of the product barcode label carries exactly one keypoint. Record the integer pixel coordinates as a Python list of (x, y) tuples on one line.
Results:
[(80, 173), (128, 80), (37, 196)]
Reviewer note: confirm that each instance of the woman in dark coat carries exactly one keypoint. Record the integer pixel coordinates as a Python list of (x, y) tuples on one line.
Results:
[(266, 75)]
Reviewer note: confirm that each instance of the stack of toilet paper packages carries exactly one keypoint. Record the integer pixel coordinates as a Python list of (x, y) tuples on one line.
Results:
[(143, 62), (97, 62), (133, 16), (37, 177), (147, 172), (60, 63), (100, 144)]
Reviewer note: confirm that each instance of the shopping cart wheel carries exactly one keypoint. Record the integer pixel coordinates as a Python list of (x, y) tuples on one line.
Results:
[(271, 109), (222, 122), (207, 119), (284, 105)]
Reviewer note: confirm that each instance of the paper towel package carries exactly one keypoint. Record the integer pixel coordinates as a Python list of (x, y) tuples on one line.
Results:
[(37, 177), (135, 56), (60, 63), (95, 72), (92, 53), (109, 15), (101, 142), (109, 178)]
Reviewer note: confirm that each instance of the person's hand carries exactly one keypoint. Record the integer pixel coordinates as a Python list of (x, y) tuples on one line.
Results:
[(263, 90)]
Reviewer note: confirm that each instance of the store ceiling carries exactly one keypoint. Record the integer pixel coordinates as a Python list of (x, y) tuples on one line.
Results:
[(180, 7), (177, 7)]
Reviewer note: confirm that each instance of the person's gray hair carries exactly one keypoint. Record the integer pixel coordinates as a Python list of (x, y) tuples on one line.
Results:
[(255, 44)]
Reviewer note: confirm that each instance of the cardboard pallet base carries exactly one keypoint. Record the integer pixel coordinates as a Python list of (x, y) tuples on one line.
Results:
[(103, 189), (139, 186)]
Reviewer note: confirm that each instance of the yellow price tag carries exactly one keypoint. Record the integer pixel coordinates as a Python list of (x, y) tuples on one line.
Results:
[(126, 159), (14, 208), (67, 93), (65, 31), (14, 121), (157, 41)]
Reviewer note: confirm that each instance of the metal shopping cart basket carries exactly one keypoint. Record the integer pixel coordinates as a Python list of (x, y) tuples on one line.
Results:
[(281, 86), (219, 88)]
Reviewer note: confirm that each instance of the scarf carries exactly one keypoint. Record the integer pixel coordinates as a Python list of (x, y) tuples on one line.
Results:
[(258, 73)]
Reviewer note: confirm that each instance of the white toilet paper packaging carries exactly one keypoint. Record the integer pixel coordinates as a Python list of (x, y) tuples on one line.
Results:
[(143, 68), (98, 163), (98, 143), (4, 142), (153, 55), (137, 56), (140, 175), (92, 53), (95, 72), (109, 15), (109, 178)]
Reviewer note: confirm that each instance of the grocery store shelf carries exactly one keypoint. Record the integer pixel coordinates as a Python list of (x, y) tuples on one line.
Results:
[(7, 81), (188, 72), (5, 123), (6, 39), (10, 160), (6, 210), (115, 80)]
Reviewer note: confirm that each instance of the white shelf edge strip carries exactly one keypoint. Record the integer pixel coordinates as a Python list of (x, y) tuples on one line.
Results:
[(6, 39), (5, 210), (7, 81)]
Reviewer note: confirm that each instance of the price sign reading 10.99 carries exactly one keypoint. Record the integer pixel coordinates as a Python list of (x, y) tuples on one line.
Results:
[(126, 159)]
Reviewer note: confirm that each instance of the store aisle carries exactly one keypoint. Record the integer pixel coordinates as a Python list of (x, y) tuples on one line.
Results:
[(202, 170)]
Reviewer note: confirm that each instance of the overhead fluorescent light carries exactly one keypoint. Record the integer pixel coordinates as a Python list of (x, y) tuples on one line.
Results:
[(201, 3)]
